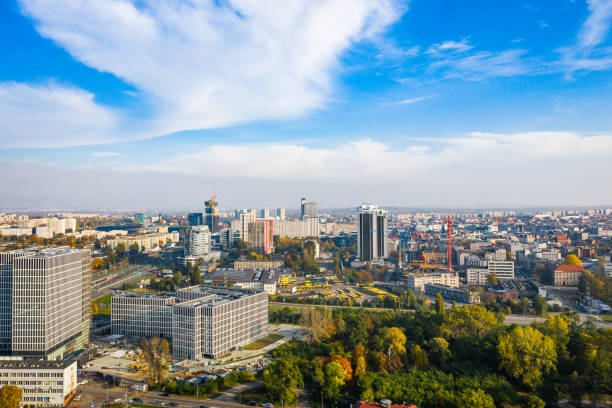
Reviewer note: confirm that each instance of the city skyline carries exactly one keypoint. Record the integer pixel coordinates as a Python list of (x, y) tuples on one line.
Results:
[(400, 103)]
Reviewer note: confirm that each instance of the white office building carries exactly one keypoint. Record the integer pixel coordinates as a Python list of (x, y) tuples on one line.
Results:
[(417, 281), (197, 241)]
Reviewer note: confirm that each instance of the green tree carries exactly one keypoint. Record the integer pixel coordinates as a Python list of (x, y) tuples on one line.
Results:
[(418, 357), (281, 379), (492, 279), (334, 380), (475, 399), (10, 396), (439, 304), (539, 304), (526, 354), (469, 321), (438, 350)]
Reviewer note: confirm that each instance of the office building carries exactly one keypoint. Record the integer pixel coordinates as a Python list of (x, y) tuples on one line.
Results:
[(211, 211), (260, 236), (217, 321), (503, 269), (308, 209), (201, 321), (417, 281), (195, 218), (44, 383), (46, 293), (371, 233), (139, 218), (142, 314), (259, 280), (452, 294), (197, 241)]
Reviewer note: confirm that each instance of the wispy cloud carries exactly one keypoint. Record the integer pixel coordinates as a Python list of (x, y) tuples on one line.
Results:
[(208, 64), (410, 101), (105, 154), (52, 115), (449, 47), (586, 54), (483, 65)]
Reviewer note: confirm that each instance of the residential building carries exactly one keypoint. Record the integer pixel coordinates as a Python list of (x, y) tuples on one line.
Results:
[(145, 242), (260, 236), (280, 213), (568, 275), (307, 227), (244, 263), (417, 281), (44, 383), (265, 213), (372, 233), (197, 241)]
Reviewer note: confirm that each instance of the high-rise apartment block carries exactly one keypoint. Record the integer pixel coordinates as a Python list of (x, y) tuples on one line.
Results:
[(371, 233), (197, 241), (46, 307), (280, 213), (261, 236), (201, 321)]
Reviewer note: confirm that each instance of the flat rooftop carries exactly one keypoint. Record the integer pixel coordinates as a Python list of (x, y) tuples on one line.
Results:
[(211, 297), (35, 364), (43, 252)]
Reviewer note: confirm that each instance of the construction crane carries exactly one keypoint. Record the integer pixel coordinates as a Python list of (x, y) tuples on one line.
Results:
[(449, 249)]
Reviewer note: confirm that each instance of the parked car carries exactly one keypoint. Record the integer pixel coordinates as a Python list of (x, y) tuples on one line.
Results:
[(136, 400), (173, 404)]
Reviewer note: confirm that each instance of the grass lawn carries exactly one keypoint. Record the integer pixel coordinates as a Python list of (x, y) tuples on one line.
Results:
[(261, 343), (104, 307), (606, 318)]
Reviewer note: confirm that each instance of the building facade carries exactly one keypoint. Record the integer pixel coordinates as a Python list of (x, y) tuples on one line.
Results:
[(44, 383), (308, 209), (195, 218), (197, 241), (568, 275), (142, 314), (201, 321), (417, 281), (307, 227), (261, 236), (371, 233), (48, 300)]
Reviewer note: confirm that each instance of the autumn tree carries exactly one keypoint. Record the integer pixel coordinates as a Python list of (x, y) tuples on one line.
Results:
[(346, 366), (539, 305), (572, 259), (359, 360), (418, 357), (526, 354), (492, 279), (97, 264), (438, 350), (316, 321), (469, 321), (335, 377), (94, 308), (10, 396), (155, 353)]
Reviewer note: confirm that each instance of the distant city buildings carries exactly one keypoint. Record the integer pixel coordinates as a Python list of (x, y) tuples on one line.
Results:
[(211, 211), (308, 209), (147, 241), (372, 233), (417, 281), (140, 218), (197, 241), (195, 218)]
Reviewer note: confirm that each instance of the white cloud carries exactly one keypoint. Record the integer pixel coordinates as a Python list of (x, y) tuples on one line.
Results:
[(484, 65), (586, 54), (51, 115), (207, 64), (410, 101), (478, 169), (449, 47), (105, 154)]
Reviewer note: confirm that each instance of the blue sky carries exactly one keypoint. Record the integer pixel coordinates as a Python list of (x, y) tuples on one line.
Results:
[(141, 104)]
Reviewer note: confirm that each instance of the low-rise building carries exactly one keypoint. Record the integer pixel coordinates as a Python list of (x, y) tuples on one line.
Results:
[(258, 264), (568, 275), (417, 281), (44, 383), (453, 294)]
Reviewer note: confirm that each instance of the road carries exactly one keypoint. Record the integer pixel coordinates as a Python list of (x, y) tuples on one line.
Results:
[(510, 319), (97, 393)]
